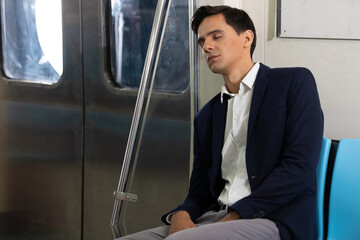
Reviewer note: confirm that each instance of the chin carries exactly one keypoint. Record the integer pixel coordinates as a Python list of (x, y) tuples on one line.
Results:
[(214, 69)]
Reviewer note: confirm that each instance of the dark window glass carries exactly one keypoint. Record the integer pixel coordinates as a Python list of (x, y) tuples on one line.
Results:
[(130, 32)]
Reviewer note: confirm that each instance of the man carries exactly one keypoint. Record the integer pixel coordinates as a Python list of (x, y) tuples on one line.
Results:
[(255, 154)]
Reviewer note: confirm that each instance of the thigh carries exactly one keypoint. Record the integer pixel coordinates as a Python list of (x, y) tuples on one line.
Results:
[(162, 232), (211, 217), (249, 229), (158, 233)]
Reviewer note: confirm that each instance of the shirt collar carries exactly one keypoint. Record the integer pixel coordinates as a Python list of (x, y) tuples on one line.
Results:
[(248, 81)]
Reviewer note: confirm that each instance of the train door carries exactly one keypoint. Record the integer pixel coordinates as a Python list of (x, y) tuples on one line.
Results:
[(115, 40), (65, 116), (41, 120)]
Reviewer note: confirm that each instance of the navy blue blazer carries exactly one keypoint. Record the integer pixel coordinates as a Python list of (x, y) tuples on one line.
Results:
[(283, 145)]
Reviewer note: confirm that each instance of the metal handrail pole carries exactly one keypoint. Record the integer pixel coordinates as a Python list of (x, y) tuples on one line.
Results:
[(194, 88), (150, 89), (137, 114)]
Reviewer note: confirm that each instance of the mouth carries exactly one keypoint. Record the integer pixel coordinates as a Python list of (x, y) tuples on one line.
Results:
[(211, 57)]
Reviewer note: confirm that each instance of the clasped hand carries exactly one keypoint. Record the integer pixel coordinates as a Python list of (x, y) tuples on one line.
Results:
[(181, 220)]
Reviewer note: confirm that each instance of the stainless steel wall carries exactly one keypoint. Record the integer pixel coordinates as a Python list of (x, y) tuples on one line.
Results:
[(61, 146), (41, 142)]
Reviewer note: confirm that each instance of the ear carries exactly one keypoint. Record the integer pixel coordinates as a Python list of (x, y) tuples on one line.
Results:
[(249, 37)]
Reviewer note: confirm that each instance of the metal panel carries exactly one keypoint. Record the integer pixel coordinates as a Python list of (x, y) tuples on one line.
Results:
[(41, 148)]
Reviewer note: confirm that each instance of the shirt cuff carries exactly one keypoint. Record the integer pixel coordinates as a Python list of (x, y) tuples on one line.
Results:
[(168, 217)]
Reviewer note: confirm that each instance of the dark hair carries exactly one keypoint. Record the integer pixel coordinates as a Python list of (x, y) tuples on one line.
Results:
[(238, 19)]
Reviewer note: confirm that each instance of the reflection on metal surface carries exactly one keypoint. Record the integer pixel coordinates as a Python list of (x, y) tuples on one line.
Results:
[(40, 149)]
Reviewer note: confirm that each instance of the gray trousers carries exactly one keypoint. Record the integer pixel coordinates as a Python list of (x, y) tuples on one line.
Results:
[(207, 228)]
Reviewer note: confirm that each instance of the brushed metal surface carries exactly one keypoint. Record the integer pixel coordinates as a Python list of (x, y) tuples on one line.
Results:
[(61, 146), (41, 129)]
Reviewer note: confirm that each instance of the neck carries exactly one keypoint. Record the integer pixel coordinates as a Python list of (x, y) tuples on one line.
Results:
[(235, 77)]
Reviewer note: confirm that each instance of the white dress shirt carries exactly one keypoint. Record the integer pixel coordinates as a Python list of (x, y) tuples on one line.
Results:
[(233, 166)]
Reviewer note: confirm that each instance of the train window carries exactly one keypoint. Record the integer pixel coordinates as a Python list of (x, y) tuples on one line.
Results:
[(32, 48), (131, 23)]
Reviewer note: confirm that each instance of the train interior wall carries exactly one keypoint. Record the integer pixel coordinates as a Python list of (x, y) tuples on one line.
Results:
[(61, 146)]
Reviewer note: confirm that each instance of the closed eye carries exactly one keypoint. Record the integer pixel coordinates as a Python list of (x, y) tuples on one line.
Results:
[(200, 42), (217, 36)]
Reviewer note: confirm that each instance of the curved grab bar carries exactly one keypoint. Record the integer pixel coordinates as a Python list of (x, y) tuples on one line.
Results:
[(120, 195)]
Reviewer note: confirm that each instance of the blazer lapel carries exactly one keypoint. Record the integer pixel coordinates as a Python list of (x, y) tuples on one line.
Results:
[(218, 129), (259, 89)]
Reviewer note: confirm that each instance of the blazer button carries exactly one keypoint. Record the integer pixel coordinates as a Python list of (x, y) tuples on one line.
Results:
[(253, 177), (261, 213)]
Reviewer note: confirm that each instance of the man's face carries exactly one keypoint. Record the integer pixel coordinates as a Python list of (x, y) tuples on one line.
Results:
[(223, 49)]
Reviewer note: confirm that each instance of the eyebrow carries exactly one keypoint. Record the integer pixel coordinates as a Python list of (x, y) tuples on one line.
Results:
[(201, 39)]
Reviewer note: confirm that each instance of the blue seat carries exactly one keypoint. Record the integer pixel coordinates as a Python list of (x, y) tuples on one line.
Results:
[(344, 202), (321, 177)]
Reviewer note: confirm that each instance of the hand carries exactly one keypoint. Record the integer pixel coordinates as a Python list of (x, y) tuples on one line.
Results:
[(180, 221), (232, 215)]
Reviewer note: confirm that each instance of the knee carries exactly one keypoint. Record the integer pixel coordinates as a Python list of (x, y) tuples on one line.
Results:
[(172, 237), (151, 234), (181, 235)]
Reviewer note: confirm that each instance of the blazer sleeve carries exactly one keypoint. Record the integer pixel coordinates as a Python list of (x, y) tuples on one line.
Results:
[(295, 171), (199, 197)]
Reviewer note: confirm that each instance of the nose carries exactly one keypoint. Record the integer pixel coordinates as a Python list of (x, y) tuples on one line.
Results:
[(208, 46)]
